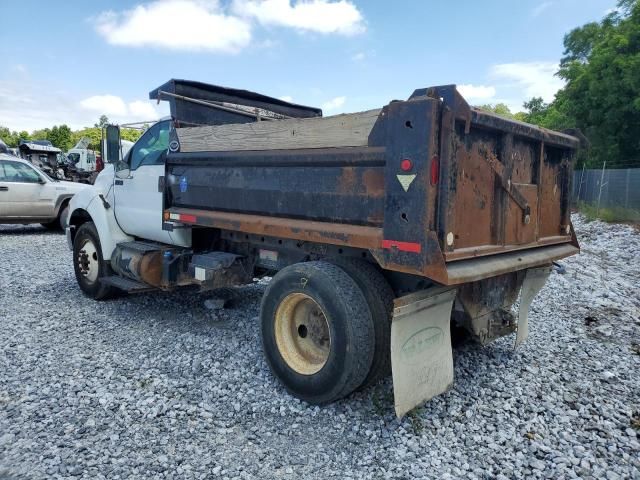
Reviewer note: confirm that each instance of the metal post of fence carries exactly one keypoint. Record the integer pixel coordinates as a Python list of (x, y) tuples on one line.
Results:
[(580, 184), (604, 165), (626, 193)]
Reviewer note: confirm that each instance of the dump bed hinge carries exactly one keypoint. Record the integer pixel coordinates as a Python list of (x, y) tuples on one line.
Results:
[(513, 191)]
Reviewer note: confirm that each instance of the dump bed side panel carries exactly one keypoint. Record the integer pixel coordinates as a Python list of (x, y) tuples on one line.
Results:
[(346, 186)]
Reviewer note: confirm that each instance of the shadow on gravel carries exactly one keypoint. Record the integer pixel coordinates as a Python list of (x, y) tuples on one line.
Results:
[(28, 230), (189, 310)]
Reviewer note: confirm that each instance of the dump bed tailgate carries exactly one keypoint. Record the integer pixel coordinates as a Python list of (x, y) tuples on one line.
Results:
[(504, 184)]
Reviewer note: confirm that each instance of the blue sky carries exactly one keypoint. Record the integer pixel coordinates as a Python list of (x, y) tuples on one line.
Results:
[(68, 62)]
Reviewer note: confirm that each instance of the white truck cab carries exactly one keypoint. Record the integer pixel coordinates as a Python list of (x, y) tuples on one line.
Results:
[(83, 159), (125, 202)]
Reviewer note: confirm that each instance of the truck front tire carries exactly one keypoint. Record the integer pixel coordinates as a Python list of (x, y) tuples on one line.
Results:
[(317, 331), (88, 264)]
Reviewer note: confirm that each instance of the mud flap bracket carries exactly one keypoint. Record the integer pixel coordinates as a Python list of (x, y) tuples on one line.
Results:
[(421, 355), (534, 280)]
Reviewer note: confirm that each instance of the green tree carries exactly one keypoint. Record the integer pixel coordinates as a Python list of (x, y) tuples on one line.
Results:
[(61, 137), (42, 134), (64, 138), (102, 122), (93, 134), (11, 138), (601, 66), (499, 109), (130, 134)]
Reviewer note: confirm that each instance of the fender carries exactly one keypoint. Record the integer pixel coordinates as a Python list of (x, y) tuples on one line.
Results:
[(62, 199), (87, 205)]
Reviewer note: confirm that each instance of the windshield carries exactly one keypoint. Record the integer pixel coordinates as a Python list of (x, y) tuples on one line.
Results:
[(73, 157)]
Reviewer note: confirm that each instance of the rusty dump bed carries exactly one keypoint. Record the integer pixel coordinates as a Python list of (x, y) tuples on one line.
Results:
[(430, 186)]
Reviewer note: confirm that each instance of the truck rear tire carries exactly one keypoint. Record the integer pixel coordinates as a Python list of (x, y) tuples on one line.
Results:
[(379, 296), (88, 264), (317, 331)]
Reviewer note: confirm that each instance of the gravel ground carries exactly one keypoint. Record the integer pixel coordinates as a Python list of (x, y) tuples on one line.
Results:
[(159, 386)]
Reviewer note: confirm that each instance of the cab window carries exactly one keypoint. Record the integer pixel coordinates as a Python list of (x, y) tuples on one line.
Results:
[(18, 173), (152, 147)]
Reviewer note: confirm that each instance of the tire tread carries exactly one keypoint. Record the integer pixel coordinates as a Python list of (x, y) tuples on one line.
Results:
[(380, 296)]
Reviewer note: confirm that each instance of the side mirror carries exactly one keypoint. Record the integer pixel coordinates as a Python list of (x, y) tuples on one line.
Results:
[(123, 172), (112, 144)]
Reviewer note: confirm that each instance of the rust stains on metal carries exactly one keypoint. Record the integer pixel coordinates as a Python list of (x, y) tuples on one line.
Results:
[(505, 180), (356, 236), (347, 180), (150, 268), (487, 305), (373, 181)]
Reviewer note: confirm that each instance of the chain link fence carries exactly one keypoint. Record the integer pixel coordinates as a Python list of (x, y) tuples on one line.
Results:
[(613, 190)]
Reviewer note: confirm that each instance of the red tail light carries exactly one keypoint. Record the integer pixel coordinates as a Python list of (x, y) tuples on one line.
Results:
[(435, 170), (406, 165)]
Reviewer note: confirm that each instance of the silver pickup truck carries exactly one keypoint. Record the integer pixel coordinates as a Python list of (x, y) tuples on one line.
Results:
[(28, 195)]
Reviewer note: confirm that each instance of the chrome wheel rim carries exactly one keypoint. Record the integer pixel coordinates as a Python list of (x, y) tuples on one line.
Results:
[(88, 261)]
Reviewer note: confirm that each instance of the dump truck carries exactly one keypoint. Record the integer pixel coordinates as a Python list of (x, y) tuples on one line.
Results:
[(381, 229)]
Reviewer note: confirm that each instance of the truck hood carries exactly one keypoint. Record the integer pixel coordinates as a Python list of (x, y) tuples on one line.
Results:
[(71, 187)]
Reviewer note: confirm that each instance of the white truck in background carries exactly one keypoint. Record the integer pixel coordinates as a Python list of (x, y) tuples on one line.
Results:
[(82, 157)]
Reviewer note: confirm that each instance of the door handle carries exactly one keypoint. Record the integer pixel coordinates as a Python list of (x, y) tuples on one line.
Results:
[(4, 189)]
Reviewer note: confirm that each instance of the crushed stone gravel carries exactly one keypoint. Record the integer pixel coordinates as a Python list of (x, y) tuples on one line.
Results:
[(166, 386)]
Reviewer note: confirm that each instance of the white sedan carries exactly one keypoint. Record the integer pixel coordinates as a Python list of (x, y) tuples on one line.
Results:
[(28, 195)]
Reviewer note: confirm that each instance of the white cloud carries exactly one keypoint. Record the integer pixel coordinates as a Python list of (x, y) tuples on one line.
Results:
[(333, 104), (358, 57), (210, 25), (118, 110), (476, 92), (176, 25), (30, 104), (322, 16), (143, 110), (105, 104), (533, 79), (286, 98), (540, 8)]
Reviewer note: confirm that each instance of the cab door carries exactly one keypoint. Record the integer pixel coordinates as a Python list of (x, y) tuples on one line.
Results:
[(138, 200)]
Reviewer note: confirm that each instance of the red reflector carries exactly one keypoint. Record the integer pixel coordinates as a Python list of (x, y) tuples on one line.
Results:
[(406, 165), (435, 170), (188, 218), (402, 246)]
